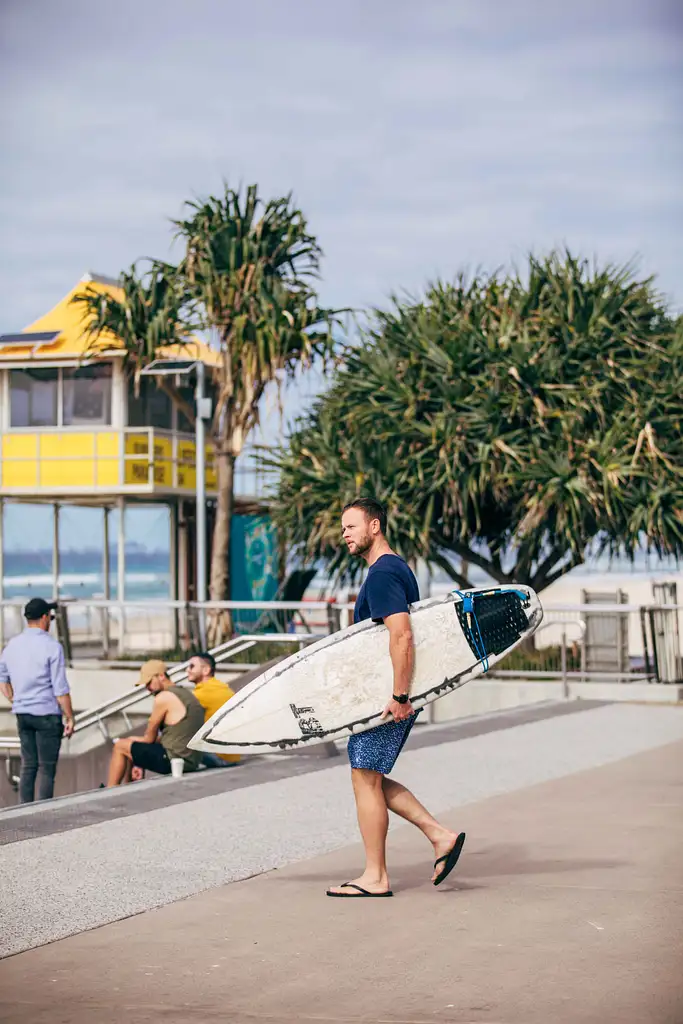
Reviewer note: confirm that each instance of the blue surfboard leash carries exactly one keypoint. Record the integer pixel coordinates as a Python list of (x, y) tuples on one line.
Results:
[(468, 608), (470, 613)]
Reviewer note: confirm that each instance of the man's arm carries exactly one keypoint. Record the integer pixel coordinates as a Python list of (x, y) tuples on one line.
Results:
[(64, 702), (402, 652), (5, 684), (156, 719), (60, 688)]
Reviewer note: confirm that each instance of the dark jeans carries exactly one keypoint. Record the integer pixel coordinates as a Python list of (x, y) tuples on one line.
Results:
[(41, 738), (214, 761)]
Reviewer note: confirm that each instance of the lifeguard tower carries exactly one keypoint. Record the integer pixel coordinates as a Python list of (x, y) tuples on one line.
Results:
[(73, 430)]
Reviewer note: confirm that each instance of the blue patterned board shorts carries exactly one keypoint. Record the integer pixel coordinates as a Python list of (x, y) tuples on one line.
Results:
[(378, 748)]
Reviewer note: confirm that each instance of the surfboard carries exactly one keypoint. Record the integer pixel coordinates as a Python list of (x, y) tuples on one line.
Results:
[(340, 684)]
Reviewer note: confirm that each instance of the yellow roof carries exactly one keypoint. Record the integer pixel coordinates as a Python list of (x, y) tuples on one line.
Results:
[(72, 341)]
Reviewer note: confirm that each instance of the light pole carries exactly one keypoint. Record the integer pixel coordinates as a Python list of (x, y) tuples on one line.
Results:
[(203, 410)]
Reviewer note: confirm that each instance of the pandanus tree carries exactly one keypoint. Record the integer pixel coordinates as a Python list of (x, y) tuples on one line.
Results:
[(247, 272), (142, 316), (508, 422)]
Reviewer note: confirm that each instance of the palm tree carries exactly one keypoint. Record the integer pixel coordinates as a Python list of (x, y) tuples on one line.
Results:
[(247, 274), (142, 317)]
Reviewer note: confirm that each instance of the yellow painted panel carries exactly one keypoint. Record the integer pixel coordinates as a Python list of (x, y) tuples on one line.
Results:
[(136, 470), (56, 473), (107, 445), (187, 471), (107, 473), (211, 476), (67, 459), (19, 460), (163, 461), (107, 460), (66, 445), (20, 446)]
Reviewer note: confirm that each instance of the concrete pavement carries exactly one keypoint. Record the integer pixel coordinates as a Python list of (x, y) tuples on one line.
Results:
[(566, 908), (58, 884)]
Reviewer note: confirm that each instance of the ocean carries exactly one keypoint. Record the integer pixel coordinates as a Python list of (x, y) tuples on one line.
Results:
[(29, 574), (148, 574)]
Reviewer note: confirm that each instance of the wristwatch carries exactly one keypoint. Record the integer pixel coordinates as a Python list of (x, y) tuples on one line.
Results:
[(402, 698)]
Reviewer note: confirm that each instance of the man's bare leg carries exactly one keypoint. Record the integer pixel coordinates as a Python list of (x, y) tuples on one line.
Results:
[(402, 802), (121, 763), (373, 820)]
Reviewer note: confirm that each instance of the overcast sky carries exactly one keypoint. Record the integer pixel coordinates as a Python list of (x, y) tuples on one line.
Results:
[(418, 136)]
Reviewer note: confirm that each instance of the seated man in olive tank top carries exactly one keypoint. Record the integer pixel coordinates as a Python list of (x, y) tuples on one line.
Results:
[(176, 716)]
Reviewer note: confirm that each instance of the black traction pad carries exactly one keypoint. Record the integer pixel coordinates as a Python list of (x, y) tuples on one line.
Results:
[(500, 619)]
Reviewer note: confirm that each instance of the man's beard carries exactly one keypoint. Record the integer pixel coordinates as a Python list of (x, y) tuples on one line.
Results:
[(363, 545)]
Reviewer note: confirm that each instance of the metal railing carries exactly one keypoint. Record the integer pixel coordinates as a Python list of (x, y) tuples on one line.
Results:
[(131, 630), (563, 630), (97, 628), (121, 704)]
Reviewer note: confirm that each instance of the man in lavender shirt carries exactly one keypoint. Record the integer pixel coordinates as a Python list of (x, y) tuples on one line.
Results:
[(33, 678)]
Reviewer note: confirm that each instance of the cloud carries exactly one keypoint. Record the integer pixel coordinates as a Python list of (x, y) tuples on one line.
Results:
[(442, 136)]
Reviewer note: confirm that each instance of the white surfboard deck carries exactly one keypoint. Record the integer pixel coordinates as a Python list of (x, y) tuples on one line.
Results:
[(341, 684)]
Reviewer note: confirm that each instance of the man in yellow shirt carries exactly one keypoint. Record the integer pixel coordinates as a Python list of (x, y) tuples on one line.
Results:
[(212, 695)]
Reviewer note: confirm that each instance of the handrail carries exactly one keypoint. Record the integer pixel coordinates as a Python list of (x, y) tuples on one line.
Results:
[(93, 602), (121, 703)]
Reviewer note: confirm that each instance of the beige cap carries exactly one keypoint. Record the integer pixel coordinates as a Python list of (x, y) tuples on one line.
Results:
[(149, 670)]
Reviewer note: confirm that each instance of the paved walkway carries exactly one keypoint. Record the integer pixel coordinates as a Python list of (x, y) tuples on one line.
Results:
[(566, 907)]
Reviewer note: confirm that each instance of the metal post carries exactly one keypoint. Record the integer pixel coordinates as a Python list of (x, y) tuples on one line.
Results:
[(653, 634), (565, 682), (55, 552), (646, 646), (200, 497), (106, 577), (2, 571), (173, 514), (121, 572), (106, 582), (333, 623)]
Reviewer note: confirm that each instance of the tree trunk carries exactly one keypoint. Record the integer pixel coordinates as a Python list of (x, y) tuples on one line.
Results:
[(220, 623)]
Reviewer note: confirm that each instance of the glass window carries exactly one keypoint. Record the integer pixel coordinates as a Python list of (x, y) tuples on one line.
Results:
[(87, 395), (186, 392), (33, 397), (151, 408)]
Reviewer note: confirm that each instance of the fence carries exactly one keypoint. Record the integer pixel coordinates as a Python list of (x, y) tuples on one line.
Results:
[(101, 716), (617, 642), (112, 630)]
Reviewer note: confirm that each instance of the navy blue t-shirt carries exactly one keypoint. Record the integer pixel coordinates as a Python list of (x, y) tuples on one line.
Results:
[(389, 588)]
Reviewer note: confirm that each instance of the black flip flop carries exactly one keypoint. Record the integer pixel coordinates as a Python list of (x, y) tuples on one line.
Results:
[(450, 859), (356, 895)]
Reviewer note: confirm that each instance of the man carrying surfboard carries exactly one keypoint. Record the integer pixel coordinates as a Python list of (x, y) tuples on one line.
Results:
[(389, 588)]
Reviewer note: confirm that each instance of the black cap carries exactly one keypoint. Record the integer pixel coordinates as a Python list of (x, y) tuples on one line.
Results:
[(37, 607)]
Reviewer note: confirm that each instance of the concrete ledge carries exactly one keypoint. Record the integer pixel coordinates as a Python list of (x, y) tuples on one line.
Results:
[(647, 693), (484, 695)]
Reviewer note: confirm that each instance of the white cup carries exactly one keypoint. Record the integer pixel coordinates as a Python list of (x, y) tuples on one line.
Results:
[(177, 766)]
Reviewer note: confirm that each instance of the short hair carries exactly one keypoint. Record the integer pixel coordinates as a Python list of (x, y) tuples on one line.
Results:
[(208, 658), (372, 509)]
